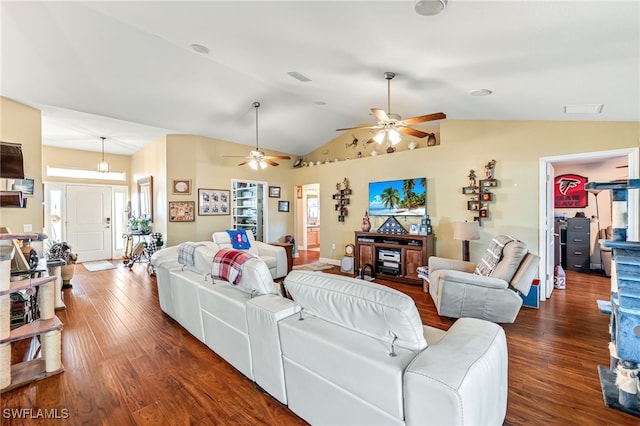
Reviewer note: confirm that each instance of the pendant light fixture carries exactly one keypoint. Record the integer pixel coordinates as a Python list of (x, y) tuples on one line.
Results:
[(103, 166)]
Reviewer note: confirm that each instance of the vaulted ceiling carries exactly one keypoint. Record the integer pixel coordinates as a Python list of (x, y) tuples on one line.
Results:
[(128, 70)]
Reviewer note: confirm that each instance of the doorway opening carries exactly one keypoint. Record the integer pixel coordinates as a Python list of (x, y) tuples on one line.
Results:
[(309, 218), (547, 238)]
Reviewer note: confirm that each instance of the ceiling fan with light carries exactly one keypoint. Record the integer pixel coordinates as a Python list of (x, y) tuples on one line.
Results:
[(258, 159), (391, 125)]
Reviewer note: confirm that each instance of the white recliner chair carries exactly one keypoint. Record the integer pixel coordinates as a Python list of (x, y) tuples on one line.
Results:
[(274, 256), (459, 292)]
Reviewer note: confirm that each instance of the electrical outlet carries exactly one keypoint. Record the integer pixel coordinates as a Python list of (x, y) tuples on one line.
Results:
[(333, 246), (27, 227)]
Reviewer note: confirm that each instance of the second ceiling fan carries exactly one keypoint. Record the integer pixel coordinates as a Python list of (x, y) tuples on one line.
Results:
[(256, 158), (391, 125)]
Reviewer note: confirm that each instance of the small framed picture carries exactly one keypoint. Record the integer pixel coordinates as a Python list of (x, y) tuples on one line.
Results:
[(484, 213), (486, 196), (181, 186), (473, 205), (283, 206), (298, 191), (182, 211), (414, 228), (26, 186), (213, 202), (274, 192)]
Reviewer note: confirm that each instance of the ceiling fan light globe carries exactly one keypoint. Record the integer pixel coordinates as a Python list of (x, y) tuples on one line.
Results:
[(253, 164), (379, 137), (394, 136), (263, 165), (429, 7)]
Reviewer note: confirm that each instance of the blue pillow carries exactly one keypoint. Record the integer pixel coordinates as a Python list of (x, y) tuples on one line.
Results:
[(239, 239)]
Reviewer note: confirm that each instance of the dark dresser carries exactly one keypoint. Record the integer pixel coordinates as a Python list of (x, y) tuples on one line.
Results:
[(578, 244)]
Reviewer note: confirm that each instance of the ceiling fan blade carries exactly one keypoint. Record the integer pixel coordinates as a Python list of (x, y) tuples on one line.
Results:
[(423, 118), (358, 127), (380, 114), (269, 162), (278, 157), (371, 140), (412, 132), (235, 156), (244, 162)]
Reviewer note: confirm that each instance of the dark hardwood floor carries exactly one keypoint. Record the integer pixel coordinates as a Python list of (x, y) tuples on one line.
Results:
[(127, 363)]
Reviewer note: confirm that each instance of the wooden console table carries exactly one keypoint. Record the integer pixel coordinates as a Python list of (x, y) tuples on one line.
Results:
[(395, 257), (288, 248)]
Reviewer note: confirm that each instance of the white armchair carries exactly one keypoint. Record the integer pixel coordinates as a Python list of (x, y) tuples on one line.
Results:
[(274, 256), (458, 292)]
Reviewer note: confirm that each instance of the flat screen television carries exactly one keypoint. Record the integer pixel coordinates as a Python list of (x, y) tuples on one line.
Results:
[(402, 197)]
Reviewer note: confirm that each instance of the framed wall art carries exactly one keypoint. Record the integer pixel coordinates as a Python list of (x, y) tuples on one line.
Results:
[(182, 211), (283, 206), (181, 186), (274, 192), (213, 202)]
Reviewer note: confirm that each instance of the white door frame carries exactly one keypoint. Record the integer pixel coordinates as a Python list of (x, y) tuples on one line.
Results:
[(633, 156), (116, 234)]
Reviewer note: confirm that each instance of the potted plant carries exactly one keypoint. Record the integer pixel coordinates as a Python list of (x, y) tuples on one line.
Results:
[(134, 223), (63, 251)]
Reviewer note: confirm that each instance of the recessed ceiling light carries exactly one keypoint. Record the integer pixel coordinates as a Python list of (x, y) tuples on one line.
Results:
[(582, 109), (200, 48), (429, 7), (299, 76), (480, 92)]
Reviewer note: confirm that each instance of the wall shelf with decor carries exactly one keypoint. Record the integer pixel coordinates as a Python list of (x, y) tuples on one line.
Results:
[(341, 198), (480, 192)]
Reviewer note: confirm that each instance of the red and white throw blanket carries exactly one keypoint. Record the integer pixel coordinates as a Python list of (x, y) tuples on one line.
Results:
[(227, 265)]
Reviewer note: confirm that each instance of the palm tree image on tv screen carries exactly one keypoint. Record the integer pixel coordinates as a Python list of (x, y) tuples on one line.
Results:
[(401, 197)]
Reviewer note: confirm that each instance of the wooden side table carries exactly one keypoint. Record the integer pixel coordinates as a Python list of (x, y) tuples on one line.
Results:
[(288, 247)]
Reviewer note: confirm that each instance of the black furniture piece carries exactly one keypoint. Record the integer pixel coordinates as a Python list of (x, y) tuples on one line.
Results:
[(578, 244)]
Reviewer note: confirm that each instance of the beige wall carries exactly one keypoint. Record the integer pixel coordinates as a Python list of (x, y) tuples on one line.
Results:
[(77, 159), (515, 145), (201, 160), (151, 161), (22, 124)]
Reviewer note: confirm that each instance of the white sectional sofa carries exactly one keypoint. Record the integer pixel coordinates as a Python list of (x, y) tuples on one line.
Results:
[(327, 355)]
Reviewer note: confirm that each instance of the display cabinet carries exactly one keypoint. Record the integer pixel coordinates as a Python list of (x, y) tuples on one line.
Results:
[(247, 208)]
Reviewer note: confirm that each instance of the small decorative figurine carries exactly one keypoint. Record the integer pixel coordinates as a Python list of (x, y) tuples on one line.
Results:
[(472, 178), (489, 168), (366, 223)]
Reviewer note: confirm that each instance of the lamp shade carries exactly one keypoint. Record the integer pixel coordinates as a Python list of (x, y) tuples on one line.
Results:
[(466, 231)]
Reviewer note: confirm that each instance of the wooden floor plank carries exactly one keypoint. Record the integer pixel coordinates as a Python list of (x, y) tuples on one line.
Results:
[(128, 363)]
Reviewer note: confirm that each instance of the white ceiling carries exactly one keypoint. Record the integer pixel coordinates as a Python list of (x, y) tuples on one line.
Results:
[(126, 71)]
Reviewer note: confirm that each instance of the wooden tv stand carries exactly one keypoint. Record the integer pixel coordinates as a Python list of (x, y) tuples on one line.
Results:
[(395, 257)]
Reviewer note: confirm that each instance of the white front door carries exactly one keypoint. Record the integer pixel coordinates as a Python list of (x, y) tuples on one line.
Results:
[(88, 215)]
